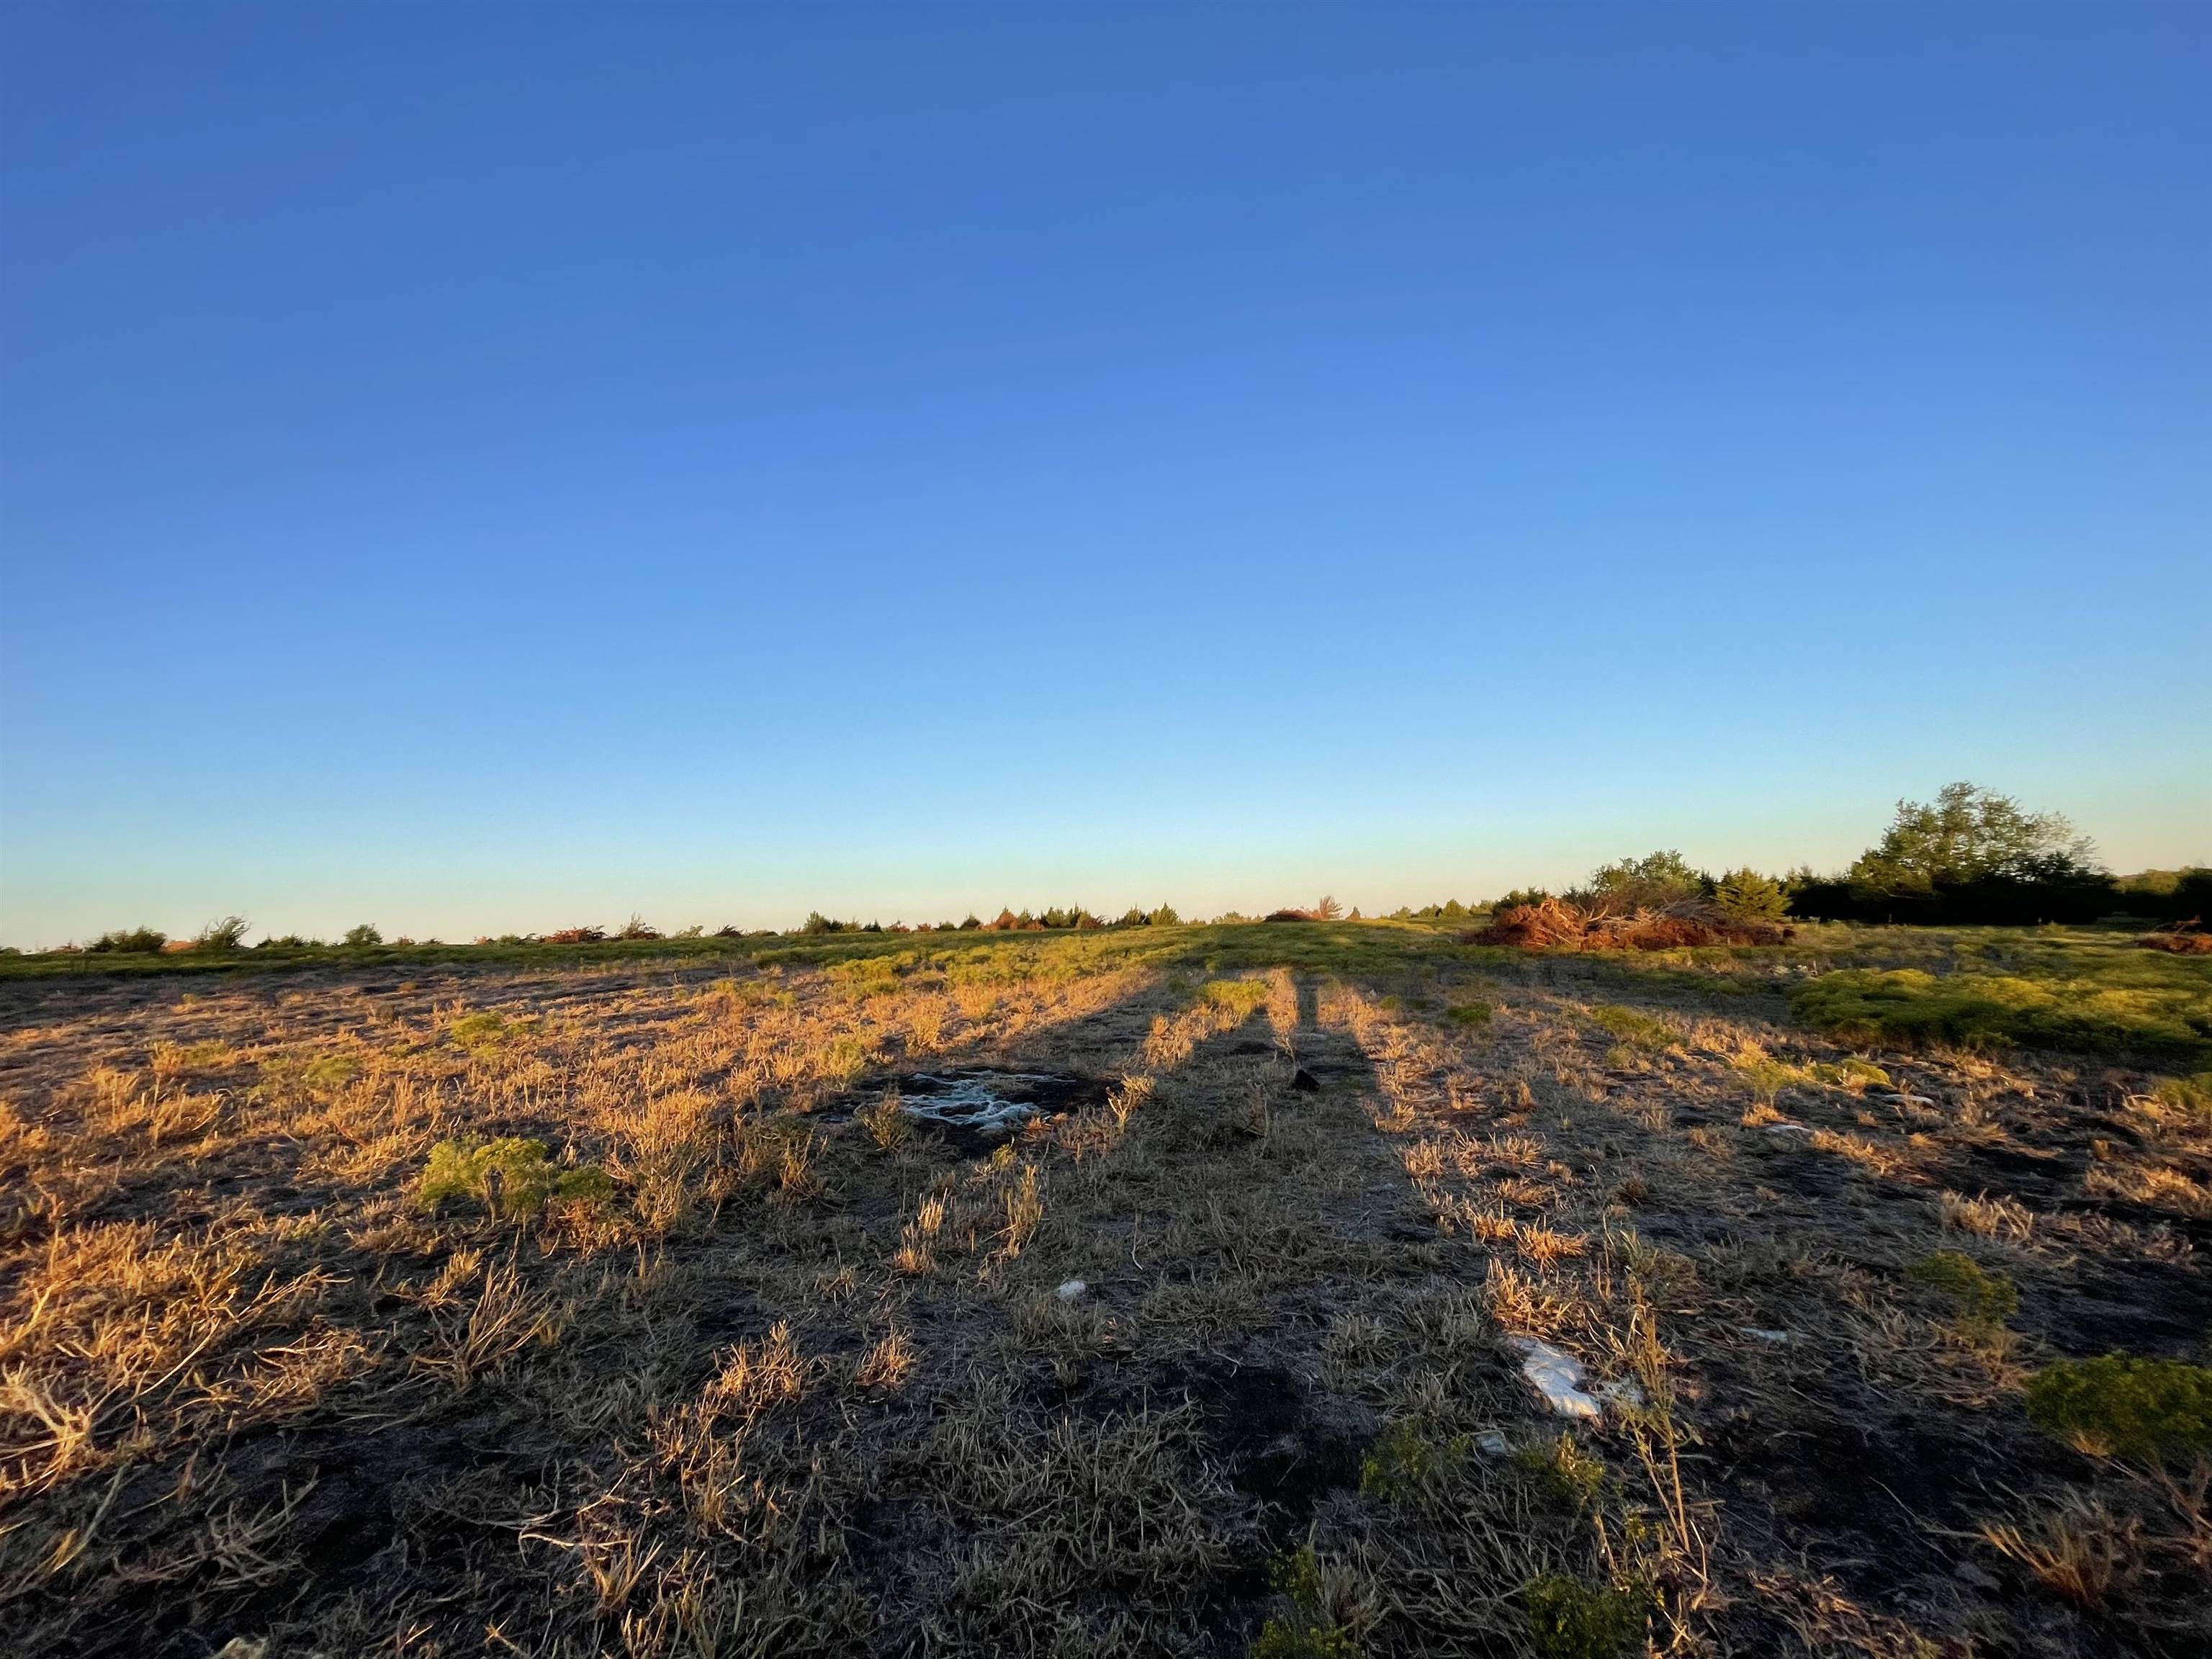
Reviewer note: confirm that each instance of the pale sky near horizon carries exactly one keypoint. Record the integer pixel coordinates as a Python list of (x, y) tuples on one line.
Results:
[(482, 469)]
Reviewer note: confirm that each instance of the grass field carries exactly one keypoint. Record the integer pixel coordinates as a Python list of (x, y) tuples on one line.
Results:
[(610, 1299)]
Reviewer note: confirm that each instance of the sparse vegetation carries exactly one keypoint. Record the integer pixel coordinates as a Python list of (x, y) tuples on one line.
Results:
[(602, 1287)]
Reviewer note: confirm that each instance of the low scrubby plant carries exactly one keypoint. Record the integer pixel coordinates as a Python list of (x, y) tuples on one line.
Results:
[(1570, 1620), (1635, 1027), (129, 941), (1747, 895), (512, 1177), (1306, 1631), (886, 1120), (2149, 1412), (482, 1032), (225, 935), (1405, 1460), (365, 934), (1564, 1472), (1978, 1299), (1473, 1013)]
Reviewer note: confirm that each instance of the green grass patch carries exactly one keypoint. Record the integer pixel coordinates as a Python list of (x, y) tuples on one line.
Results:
[(512, 1178), (2145, 1411), (1570, 1620), (1978, 1299), (1636, 1027), (2161, 1008)]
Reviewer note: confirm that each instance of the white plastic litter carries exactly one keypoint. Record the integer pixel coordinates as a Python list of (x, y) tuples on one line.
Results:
[(1621, 1393), (1492, 1443), (1788, 1131), (1772, 1339), (1558, 1375), (1072, 1290)]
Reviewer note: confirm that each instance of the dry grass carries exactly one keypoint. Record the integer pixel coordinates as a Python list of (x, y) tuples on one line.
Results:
[(799, 1375)]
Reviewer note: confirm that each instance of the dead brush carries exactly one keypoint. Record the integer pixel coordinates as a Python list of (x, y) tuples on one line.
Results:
[(2079, 1549), (886, 1120)]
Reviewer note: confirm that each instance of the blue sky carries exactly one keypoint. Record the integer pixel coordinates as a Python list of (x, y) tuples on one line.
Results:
[(494, 468)]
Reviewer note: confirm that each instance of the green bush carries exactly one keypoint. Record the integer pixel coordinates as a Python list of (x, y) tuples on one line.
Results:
[(1304, 1632), (1473, 1012), (1978, 1296), (1564, 1472), (482, 1032), (2144, 1411), (130, 941), (1569, 1619), (225, 935), (364, 934), (1404, 1462), (510, 1177)]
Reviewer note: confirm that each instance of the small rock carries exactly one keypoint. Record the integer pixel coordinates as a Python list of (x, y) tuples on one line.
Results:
[(1305, 1082), (1788, 1131), (1072, 1291), (1492, 1443)]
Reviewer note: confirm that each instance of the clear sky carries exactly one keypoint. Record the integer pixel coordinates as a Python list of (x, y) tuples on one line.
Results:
[(488, 468)]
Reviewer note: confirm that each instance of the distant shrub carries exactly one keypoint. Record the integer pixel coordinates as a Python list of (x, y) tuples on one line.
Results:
[(2142, 1411), (130, 941), (225, 935), (1165, 916), (511, 1177), (1650, 882), (288, 942), (1977, 1296), (1519, 895), (1749, 896), (1569, 1619), (637, 928), (971, 923), (365, 934), (576, 935), (2165, 895)]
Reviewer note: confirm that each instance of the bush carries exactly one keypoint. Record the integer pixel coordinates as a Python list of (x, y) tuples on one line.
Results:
[(1977, 1297), (2143, 1411), (511, 1177), (1306, 1631), (225, 935), (363, 935), (1474, 1012), (1404, 1462), (570, 936), (1649, 883), (636, 928), (131, 941), (1566, 1474), (1569, 1619)]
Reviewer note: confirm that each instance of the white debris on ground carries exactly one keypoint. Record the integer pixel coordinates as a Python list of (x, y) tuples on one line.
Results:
[(1072, 1290), (1492, 1443), (968, 1103), (1787, 1131), (1558, 1375), (1772, 1339)]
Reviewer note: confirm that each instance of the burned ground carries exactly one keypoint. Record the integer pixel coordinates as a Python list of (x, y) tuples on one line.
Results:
[(752, 1361)]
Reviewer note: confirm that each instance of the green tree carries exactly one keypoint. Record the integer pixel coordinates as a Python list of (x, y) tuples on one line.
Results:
[(1644, 883), (1749, 896), (1969, 833)]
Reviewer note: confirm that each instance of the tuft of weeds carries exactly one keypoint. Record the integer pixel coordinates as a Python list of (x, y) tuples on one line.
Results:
[(1980, 1300), (1854, 1074), (1407, 1462), (886, 1120), (1475, 1014), (1570, 1620), (485, 1031), (1306, 1630), (509, 1178), (1571, 1477)]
